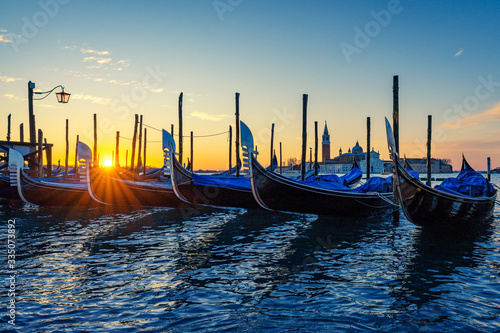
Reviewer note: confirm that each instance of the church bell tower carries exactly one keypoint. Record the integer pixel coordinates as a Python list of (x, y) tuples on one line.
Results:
[(326, 144)]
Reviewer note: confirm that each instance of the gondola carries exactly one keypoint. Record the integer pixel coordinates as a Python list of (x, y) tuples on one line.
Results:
[(353, 177), (152, 175), (7, 191), (275, 192), (54, 171), (350, 179), (444, 205), (114, 189), (223, 190), (48, 193)]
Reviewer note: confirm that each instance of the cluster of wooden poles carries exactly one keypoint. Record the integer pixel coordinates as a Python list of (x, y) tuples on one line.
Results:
[(142, 141), (35, 158), (136, 168)]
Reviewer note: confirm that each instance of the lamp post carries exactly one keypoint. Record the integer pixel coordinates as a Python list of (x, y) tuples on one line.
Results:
[(62, 97)]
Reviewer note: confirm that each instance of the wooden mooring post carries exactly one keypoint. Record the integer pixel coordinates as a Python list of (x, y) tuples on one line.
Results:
[(66, 158), (237, 114), (139, 158), (48, 153), (145, 142), (32, 161), (96, 162), (368, 145), (429, 138), (488, 162), (281, 164), (230, 146), (310, 158), (117, 151), (395, 125), (8, 126), (21, 132), (31, 119), (192, 153), (272, 143), (40, 153), (395, 110), (304, 136), (133, 143), (316, 148), (75, 168), (180, 127)]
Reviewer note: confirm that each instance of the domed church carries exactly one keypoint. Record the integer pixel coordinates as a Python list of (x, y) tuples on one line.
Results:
[(343, 162)]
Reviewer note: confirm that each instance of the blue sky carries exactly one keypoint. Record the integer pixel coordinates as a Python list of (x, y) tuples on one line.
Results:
[(118, 58)]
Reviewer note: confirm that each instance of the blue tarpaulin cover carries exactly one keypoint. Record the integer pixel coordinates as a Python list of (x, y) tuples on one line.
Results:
[(374, 184), (328, 185), (354, 174), (153, 171), (330, 182), (468, 183), (225, 181), (413, 173), (327, 178)]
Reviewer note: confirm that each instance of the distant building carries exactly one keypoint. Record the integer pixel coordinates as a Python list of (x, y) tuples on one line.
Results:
[(326, 144), (437, 165), (343, 162)]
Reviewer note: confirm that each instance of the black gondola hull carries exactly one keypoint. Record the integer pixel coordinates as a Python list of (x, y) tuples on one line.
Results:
[(47, 194), (427, 206), (209, 195), (276, 192), (217, 196), (114, 191), (7, 191)]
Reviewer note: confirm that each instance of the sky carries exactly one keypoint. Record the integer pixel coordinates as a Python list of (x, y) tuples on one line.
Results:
[(121, 58)]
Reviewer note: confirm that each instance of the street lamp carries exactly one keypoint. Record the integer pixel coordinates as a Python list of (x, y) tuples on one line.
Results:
[(62, 97)]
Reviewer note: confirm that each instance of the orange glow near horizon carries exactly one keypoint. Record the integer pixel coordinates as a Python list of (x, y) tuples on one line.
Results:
[(212, 154)]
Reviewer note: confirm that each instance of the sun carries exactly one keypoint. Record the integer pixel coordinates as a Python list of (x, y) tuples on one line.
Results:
[(108, 163)]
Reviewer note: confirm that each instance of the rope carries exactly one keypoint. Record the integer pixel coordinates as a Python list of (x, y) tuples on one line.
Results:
[(388, 200), (122, 137), (188, 136), (390, 203), (495, 200), (205, 136), (367, 205), (151, 127)]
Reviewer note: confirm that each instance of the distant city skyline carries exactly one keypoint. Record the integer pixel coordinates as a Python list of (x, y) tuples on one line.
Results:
[(120, 58)]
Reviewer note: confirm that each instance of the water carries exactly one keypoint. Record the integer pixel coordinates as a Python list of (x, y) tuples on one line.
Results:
[(233, 270)]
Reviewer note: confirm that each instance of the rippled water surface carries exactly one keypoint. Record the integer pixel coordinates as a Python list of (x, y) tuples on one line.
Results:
[(228, 270)]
